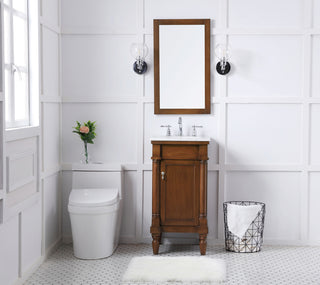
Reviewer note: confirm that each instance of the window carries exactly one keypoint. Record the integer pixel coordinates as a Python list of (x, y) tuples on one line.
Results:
[(20, 62)]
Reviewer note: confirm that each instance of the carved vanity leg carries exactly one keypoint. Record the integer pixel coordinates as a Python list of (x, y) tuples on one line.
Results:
[(155, 243), (203, 244), (155, 228), (203, 231)]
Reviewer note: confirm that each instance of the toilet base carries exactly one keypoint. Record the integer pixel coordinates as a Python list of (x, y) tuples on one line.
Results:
[(80, 255), (95, 236)]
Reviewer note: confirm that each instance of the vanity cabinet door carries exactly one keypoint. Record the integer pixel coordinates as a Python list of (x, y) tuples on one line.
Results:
[(179, 192)]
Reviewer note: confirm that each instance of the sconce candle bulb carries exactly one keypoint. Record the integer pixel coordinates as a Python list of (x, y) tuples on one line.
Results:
[(139, 52), (222, 53)]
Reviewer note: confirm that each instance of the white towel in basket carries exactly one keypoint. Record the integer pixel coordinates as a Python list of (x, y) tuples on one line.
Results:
[(240, 217)]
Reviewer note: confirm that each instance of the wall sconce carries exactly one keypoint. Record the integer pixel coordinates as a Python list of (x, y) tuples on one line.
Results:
[(139, 52), (222, 53)]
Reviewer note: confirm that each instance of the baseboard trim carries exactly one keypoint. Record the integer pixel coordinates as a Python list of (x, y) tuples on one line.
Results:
[(291, 242), (67, 239), (128, 240), (210, 241), (39, 261), (221, 242), (53, 247), (179, 240)]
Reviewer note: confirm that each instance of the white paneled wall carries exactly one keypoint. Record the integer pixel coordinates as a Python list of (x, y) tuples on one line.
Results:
[(315, 135), (254, 55), (103, 16), (315, 84), (267, 14), (30, 232), (180, 9), (314, 230), (50, 99), (250, 130), (21, 170), (114, 121), (265, 114), (30, 194), (50, 63), (274, 188), (2, 108), (9, 250), (52, 210), (98, 72)]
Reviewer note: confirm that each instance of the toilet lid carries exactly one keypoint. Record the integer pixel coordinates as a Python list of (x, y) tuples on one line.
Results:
[(93, 197)]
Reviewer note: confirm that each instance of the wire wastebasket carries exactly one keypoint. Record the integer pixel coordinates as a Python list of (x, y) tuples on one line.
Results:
[(253, 237)]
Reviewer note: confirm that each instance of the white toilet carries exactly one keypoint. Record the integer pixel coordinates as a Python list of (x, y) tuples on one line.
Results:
[(95, 207)]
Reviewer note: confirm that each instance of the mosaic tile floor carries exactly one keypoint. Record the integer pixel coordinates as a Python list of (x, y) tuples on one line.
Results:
[(273, 265)]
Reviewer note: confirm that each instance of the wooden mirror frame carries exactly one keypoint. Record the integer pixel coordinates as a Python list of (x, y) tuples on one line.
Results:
[(156, 24)]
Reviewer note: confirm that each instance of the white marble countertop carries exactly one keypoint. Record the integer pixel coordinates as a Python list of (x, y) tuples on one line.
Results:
[(178, 138)]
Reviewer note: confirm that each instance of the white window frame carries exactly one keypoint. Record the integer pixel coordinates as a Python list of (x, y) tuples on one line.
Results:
[(15, 70)]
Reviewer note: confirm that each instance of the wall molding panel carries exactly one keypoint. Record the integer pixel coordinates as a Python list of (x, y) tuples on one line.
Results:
[(214, 31), (25, 160), (2, 124), (46, 24), (19, 134), (214, 99)]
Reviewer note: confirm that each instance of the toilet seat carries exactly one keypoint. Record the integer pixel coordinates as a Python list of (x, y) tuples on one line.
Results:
[(93, 201), (94, 197)]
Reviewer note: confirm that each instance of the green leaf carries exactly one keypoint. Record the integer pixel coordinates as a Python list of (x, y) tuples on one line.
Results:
[(89, 137)]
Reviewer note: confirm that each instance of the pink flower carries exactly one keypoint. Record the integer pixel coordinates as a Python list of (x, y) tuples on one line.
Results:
[(84, 129)]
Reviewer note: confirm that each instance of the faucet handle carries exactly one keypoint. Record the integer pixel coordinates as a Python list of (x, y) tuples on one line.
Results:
[(168, 129), (194, 130)]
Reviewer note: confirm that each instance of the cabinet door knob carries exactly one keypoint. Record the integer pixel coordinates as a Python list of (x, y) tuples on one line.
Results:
[(162, 175)]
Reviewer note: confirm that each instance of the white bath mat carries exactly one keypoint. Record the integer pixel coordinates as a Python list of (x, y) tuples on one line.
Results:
[(184, 268)]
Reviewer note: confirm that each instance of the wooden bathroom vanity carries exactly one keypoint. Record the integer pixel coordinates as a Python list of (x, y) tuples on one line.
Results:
[(179, 188)]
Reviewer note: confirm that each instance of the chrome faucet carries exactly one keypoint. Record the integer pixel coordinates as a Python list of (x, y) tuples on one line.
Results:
[(180, 126)]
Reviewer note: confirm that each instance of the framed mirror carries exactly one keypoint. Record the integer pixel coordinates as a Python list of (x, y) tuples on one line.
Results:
[(181, 66)]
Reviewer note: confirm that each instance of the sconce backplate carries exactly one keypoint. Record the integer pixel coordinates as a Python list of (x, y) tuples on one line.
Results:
[(143, 68), (225, 70)]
